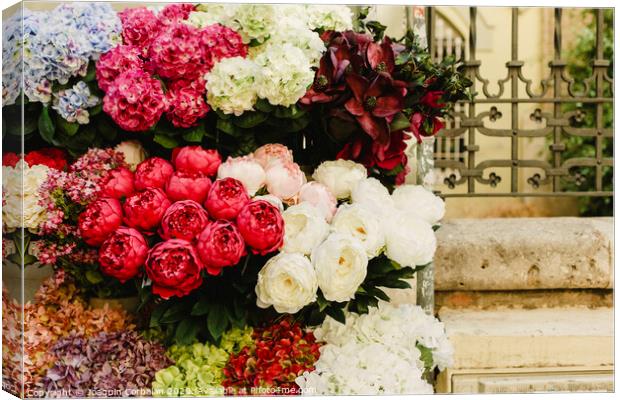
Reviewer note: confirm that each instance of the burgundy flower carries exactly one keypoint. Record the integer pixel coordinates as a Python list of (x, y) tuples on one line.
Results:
[(420, 125), (220, 245), (381, 56), (183, 220), (183, 186), (152, 173), (145, 210), (374, 103), (99, 220), (430, 99), (123, 253), (174, 268)]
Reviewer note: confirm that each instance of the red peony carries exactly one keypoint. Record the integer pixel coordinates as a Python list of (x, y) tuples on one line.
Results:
[(99, 220), (135, 101), (183, 220), (145, 210), (123, 253), (221, 42), (220, 245), (226, 198), (175, 12), (261, 226), (196, 160), (174, 268), (10, 159), (152, 173), (185, 107), (116, 61), (177, 52), (140, 27), (182, 186), (50, 157), (118, 183)]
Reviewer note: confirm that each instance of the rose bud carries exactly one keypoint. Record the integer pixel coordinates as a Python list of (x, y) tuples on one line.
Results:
[(183, 220), (226, 198), (174, 268), (261, 226), (182, 186), (220, 245), (99, 220), (196, 160), (284, 180), (123, 253), (118, 184), (273, 152), (152, 173), (145, 210)]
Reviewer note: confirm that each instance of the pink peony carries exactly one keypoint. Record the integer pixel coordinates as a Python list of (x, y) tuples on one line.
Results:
[(226, 198), (177, 52), (183, 220), (273, 152), (135, 101), (140, 27), (319, 196), (175, 12), (99, 220), (118, 184), (182, 186), (261, 226), (284, 179), (185, 107), (245, 169), (144, 210), (221, 42), (153, 172), (116, 61), (174, 268), (196, 160), (220, 245), (123, 253)]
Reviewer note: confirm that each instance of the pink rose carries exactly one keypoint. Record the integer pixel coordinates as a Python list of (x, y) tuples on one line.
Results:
[(144, 210), (196, 160), (152, 173), (135, 101), (185, 107), (273, 152), (284, 180), (99, 220), (226, 198), (174, 268), (261, 226), (140, 27), (183, 220), (220, 245), (182, 186), (118, 183), (123, 253), (177, 52), (245, 169), (319, 196), (112, 63)]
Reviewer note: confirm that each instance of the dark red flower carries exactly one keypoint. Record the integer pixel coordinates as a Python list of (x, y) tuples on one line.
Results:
[(424, 126), (430, 99), (381, 56), (10, 159), (49, 156)]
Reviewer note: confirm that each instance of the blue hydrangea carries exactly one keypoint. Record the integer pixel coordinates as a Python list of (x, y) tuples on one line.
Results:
[(72, 104)]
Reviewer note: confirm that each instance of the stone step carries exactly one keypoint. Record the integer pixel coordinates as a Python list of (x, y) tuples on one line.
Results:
[(505, 254)]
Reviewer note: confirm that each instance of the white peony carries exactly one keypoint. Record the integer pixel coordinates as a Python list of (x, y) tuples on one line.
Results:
[(329, 17), (287, 282), (361, 223), (371, 193), (255, 21), (420, 202), (340, 176), (341, 265), (410, 241), (244, 169), (209, 14), (231, 85), (20, 192), (304, 228), (286, 74), (290, 29), (133, 152), (319, 196), (271, 199)]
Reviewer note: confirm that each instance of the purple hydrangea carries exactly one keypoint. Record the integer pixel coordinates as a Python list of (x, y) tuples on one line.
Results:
[(72, 103)]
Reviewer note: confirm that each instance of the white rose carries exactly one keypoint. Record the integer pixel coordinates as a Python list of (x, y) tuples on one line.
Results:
[(319, 196), (271, 199), (371, 193), (410, 241), (304, 228), (284, 179), (341, 265), (419, 201), (133, 152), (287, 282), (359, 222), (340, 176), (244, 169)]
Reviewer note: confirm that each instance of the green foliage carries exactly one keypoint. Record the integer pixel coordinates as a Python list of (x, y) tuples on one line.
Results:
[(580, 58)]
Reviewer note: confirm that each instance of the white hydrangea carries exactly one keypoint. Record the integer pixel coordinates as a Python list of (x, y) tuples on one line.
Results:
[(376, 353), (209, 14), (17, 205), (231, 85), (255, 21), (419, 201), (329, 17), (292, 30), (285, 75)]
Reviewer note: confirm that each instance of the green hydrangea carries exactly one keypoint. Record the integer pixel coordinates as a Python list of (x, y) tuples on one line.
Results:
[(198, 369)]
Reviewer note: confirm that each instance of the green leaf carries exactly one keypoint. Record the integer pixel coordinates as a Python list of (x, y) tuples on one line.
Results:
[(106, 128), (322, 302), (156, 315), (378, 293), (94, 277), (249, 119), (201, 307), (337, 314), (46, 125), (226, 126), (186, 331), (90, 72), (426, 357), (399, 122), (95, 110), (264, 106), (396, 284), (292, 112), (195, 134), (69, 128), (217, 321), (166, 141), (175, 313)]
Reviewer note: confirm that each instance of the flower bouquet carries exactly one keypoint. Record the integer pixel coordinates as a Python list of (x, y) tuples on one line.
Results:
[(238, 169)]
